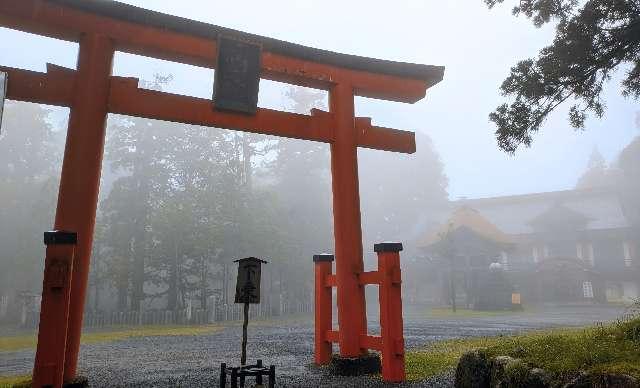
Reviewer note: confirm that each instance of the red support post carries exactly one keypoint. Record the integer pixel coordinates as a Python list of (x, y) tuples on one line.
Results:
[(391, 311), (54, 311), (347, 229), (80, 178), (323, 308)]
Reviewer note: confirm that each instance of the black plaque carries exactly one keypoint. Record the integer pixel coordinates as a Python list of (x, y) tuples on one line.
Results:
[(237, 76), (248, 283)]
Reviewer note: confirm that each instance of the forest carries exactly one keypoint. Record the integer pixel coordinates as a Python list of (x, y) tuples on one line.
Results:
[(179, 203)]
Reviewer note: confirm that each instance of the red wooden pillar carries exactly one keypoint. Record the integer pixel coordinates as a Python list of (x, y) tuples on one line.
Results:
[(80, 179), (391, 311), (346, 221), (48, 368), (323, 308)]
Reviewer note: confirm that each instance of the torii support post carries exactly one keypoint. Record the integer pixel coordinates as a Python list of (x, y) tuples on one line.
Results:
[(390, 342), (323, 308), (54, 312), (80, 179), (391, 311)]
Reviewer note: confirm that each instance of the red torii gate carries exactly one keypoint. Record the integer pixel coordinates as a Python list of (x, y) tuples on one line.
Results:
[(91, 92)]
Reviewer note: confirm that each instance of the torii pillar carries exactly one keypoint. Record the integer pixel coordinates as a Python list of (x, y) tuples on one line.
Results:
[(347, 222)]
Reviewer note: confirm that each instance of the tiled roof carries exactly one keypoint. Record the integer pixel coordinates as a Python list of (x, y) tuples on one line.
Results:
[(513, 214), (465, 216)]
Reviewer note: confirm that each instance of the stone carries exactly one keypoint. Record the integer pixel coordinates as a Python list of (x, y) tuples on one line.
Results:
[(508, 372), (606, 380), (77, 382), (537, 378), (473, 370), (357, 366), (476, 370)]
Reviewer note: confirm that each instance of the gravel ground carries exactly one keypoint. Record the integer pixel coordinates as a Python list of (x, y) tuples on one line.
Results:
[(193, 361)]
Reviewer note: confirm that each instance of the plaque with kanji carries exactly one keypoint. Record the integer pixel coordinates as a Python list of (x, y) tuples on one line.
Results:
[(248, 283), (237, 76)]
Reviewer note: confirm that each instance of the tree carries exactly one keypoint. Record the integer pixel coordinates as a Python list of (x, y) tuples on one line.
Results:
[(302, 185), (593, 39), (598, 174), (29, 154), (629, 163), (400, 193)]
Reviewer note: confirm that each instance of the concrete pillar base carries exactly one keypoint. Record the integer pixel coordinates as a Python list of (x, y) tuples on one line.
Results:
[(364, 365), (77, 382)]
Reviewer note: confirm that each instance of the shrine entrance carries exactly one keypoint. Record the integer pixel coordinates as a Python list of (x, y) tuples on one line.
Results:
[(240, 60)]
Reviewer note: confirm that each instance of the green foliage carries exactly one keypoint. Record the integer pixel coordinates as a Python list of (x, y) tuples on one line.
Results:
[(441, 356), (595, 349), (562, 352), (28, 341), (593, 39)]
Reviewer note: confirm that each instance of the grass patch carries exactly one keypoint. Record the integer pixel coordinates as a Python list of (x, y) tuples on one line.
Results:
[(602, 348), (15, 382), (609, 348), (19, 342), (442, 356)]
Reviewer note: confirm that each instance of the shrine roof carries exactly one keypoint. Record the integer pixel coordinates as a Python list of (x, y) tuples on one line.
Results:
[(470, 219), (601, 209), (431, 75)]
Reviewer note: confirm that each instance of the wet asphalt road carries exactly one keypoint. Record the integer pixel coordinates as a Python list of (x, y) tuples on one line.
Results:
[(193, 361)]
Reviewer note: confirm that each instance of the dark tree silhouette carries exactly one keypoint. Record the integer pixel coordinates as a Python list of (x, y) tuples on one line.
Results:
[(593, 39)]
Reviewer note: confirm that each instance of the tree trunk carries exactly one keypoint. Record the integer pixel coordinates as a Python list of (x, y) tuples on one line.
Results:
[(452, 285), (172, 294), (203, 283)]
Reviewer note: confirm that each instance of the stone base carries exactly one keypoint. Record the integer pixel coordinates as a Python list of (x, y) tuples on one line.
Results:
[(77, 382), (364, 365)]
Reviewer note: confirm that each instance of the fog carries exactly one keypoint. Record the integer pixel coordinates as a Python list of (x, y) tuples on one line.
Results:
[(179, 203)]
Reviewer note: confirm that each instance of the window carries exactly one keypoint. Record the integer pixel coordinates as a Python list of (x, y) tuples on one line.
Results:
[(590, 257), (545, 250), (579, 252), (534, 254), (587, 290), (504, 260), (627, 254)]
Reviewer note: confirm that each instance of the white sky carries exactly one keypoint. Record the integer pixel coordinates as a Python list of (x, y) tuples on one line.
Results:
[(477, 47)]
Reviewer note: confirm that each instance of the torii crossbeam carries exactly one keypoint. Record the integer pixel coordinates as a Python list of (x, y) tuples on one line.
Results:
[(91, 92)]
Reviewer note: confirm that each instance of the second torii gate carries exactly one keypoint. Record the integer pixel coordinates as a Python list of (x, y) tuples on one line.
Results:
[(91, 92)]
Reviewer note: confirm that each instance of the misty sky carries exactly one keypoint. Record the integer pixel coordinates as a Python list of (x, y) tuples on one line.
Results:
[(476, 45)]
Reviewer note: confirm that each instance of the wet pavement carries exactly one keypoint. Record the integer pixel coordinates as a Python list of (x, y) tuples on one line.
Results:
[(193, 361)]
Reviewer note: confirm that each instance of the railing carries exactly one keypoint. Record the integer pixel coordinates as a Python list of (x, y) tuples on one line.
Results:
[(219, 313)]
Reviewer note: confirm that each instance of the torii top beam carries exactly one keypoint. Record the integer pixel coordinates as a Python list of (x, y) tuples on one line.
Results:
[(140, 31)]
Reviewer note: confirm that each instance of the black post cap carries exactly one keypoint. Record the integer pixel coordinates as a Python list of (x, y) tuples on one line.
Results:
[(323, 257), (60, 237), (387, 247)]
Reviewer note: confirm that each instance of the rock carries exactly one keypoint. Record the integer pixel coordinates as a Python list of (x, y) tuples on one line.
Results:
[(538, 378), (77, 382), (606, 380), (363, 365), (499, 377), (474, 370), (620, 381), (508, 372)]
